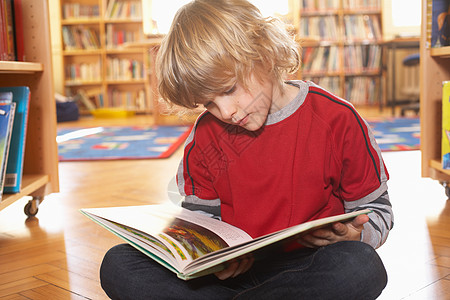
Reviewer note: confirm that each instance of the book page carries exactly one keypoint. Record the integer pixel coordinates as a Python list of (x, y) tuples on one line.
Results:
[(189, 235)]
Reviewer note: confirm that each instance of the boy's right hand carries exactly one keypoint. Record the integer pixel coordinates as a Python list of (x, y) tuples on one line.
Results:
[(236, 267)]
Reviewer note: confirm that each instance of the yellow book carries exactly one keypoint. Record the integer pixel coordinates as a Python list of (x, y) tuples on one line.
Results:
[(445, 143)]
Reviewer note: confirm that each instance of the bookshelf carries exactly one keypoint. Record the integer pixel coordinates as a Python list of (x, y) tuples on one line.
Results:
[(342, 47), (434, 69), (40, 173), (97, 59)]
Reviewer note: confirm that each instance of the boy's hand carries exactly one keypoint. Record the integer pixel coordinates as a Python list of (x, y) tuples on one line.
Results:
[(350, 231), (236, 266)]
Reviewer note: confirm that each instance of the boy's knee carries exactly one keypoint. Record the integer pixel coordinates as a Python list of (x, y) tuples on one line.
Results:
[(110, 269), (360, 264)]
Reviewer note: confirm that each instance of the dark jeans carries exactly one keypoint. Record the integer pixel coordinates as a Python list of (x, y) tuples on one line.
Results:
[(345, 270)]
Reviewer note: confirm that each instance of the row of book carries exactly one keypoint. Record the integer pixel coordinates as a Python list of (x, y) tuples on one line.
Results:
[(133, 100), (120, 9), (355, 27), (357, 90), (363, 90), (362, 27), (87, 38), (324, 6), (83, 72), (319, 5), (90, 98), (327, 59), (320, 28), (331, 84), (11, 31), (116, 69), (14, 106), (80, 11), (362, 4), (124, 69), (87, 98), (80, 38), (321, 60), (116, 36), (365, 58)]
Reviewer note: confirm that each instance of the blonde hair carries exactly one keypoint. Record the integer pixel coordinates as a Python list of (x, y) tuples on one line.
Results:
[(212, 44)]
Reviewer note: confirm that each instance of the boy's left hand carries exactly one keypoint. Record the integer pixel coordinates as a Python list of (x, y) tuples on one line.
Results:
[(236, 267), (350, 231)]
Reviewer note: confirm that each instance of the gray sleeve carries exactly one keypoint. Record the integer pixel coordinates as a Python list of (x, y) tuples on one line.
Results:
[(381, 220), (207, 207)]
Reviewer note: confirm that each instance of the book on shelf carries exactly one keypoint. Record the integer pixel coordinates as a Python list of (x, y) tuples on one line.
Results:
[(440, 23), (80, 11), (124, 10), (10, 53), (14, 169), (445, 140), (192, 244), (79, 37), (7, 109), (11, 31), (18, 30)]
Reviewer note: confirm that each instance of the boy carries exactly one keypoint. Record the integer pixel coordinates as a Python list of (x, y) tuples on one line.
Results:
[(265, 155)]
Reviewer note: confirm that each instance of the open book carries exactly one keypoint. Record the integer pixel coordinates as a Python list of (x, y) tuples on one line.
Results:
[(192, 244)]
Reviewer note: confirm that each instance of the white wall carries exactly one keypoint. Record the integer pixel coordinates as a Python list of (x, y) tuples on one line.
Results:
[(401, 17)]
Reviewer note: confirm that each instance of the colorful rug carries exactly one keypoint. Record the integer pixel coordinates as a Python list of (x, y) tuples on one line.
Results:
[(396, 134), (118, 142)]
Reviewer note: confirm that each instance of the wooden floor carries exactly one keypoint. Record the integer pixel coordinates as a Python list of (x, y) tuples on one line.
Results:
[(57, 254)]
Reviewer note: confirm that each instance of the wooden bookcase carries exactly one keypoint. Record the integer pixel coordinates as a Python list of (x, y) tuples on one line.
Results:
[(342, 48), (40, 174), (99, 61), (434, 69)]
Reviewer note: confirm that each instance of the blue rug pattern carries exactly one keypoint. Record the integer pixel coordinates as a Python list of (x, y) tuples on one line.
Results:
[(396, 134), (119, 142)]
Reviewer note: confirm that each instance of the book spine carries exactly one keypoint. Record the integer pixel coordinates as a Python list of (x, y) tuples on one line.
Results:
[(18, 30), (3, 41), (10, 39), (445, 142)]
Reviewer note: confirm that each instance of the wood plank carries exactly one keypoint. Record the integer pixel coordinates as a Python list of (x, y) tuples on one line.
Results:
[(79, 266), (15, 297), (30, 259), (20, 285), (437, 290), (79, 285), (50, 292), (442, 261), (25, 273)]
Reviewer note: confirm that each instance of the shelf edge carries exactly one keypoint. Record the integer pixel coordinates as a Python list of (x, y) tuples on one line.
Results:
[(30, 183), (20, 67)]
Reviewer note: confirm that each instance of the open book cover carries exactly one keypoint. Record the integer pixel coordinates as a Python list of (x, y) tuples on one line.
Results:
[(192, 244)]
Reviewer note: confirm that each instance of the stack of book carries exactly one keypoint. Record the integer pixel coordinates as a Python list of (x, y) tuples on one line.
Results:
[(14, 106)]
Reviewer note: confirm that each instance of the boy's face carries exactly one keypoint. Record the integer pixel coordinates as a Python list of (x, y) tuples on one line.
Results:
[(246, 108)]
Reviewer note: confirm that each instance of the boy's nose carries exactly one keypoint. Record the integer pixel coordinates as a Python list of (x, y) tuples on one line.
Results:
[(227, 109)]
